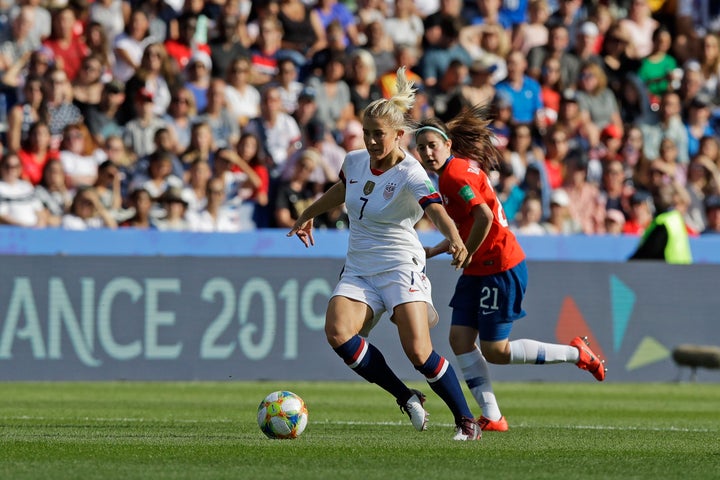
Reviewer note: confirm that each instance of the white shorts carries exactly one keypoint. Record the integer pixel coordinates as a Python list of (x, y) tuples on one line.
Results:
[(385, 291)]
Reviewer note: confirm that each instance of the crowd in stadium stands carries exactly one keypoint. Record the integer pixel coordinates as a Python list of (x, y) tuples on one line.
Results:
[(232, 115)]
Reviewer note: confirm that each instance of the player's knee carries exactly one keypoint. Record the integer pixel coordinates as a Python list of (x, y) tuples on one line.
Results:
[(496, 354)]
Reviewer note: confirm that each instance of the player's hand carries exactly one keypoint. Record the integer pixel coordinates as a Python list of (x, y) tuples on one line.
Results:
[(459, 254), (303, 230), (467, 261)]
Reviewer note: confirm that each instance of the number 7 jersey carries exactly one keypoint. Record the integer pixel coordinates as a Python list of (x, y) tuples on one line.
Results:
[(463, 185), (383, 210)]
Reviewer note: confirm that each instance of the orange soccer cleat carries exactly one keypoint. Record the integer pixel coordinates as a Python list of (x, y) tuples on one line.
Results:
[(588, 360)]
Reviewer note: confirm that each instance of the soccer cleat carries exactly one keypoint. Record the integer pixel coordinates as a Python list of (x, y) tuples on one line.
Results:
[(588, 360), (414, 409), (467, 429), (493, 425)]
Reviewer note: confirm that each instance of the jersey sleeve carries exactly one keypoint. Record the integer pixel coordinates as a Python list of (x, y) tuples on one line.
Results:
[(423, 189), (469, 186)]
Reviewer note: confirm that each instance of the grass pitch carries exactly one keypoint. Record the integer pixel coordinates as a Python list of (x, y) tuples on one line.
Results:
[(208, 431)]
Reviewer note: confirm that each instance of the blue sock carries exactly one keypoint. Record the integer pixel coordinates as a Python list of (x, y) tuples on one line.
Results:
[(368, 362), (441, 377)]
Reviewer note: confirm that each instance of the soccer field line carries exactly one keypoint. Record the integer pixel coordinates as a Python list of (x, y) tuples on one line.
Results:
[(340, 423)]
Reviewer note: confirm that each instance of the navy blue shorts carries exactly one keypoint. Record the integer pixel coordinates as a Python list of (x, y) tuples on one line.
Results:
[(490, 304)]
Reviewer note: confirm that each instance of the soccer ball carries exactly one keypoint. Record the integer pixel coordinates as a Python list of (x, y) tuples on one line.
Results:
[(282, 415)]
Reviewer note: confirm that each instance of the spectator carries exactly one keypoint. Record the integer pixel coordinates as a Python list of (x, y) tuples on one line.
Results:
[(195, 188), (330, 157), (379, 44), (87, 212), (597, 102), (278, 131), (587, 204), (98, 46), (520, 151), (533, 33), (407, 56), (640, 214), (22, 42), (697, 123), (68, 49), (448, 88), (405, 27), (331, 11), (175, 207), (108, 14), (523, 91), (223, 124), (57, 105), (157, 76), (639, 26), (436, 58), (586, 46), (556, 149), (36, 152), (53, 193), (668, 125), (88, 86), (336, 46), (709, 60), (634, 102), (666, 238), (24, 114), (297, 193), (104, 121), (141, 203), (242, 98), (535, 184), (250, 152), (226, 46), (215, 217), (703, 181), (614, 187), (580, 133), (182, 48), (557, 47), (180, 117), (197, 78), (495, 46), (303, 30), (202, 146), (502, 114), (290, 88), (35, 64), (559, 221), (614, 222), (19, 205), (129, 46), (569, 14), (332, 95), (710, 147), (712, 212), (80, 156), (139, 134), (109, 189), (266, 51), (551, 88), (159, 176), (616, 61), (527, 222), (362, 80), (41, 19), (657, 67), (480, 88)]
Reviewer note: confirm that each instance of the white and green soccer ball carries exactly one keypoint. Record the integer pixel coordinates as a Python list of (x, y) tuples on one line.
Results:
[(282, 415)]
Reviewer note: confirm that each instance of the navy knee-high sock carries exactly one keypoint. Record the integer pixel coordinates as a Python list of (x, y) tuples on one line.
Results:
[(368, 362), (441, 377)]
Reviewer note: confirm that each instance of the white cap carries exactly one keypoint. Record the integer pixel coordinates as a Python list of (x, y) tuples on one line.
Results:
[(560, 197), (589, 29)]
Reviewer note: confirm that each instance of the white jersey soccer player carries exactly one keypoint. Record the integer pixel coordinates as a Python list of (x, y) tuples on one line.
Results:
[(383, 210)]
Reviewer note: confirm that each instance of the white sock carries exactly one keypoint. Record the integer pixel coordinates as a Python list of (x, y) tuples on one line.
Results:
[(532, 351), (475, 370)]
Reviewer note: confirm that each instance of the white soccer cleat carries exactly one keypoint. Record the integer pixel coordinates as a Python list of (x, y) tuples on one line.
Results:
[(415, 410)]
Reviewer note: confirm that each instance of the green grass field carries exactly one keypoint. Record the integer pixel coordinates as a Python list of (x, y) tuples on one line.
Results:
[(208, 431)]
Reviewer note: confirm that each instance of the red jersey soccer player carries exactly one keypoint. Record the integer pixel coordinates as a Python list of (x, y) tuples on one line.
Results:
[(488, 296)]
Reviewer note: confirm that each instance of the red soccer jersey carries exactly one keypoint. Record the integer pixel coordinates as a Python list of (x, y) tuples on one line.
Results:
[(463, 185)]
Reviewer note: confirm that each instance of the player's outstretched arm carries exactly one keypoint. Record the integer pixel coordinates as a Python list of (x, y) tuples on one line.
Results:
[(334, 197), (447, 227)]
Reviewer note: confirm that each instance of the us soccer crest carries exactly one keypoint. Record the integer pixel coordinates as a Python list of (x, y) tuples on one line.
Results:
[(368, 188), (389, 191)]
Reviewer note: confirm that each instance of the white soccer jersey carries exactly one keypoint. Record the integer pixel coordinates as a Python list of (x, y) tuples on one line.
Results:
[(383, 210)]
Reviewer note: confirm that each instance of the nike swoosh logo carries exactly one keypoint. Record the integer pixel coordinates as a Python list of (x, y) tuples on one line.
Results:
[(413, 290), (353, 181), (488, 312)]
